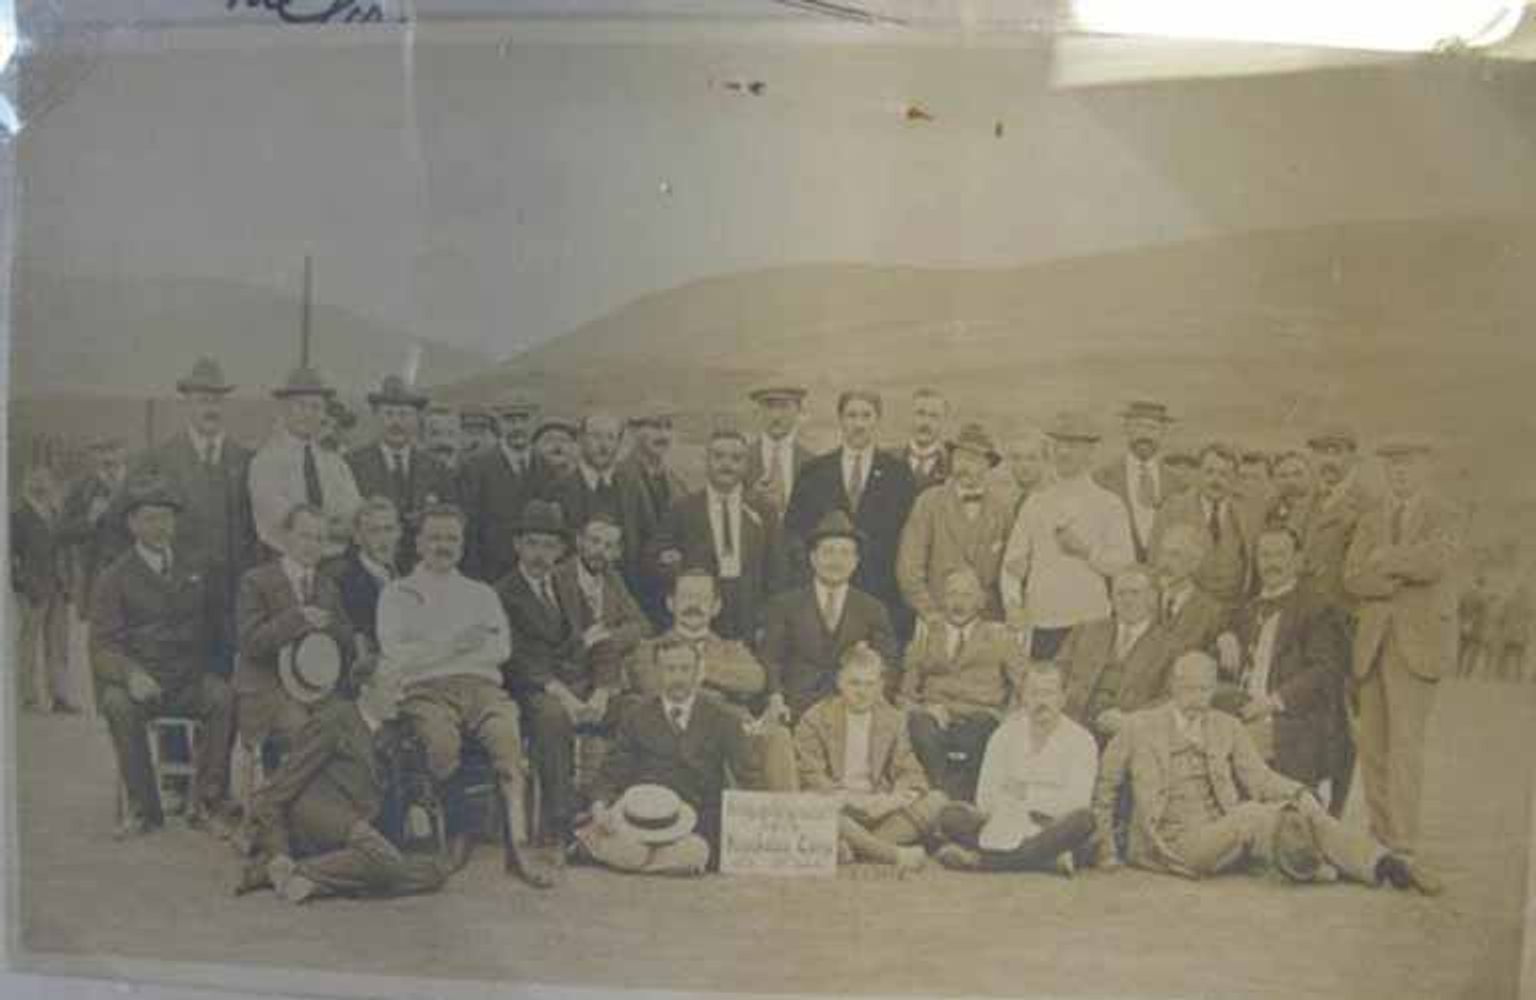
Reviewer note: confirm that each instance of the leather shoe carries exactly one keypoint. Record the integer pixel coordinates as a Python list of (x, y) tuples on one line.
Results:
[(253, 876), (958, 858), (132, 827), (538, 874), (1404, 872)]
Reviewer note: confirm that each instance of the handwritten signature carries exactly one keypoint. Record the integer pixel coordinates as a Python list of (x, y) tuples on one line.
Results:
[(315, 11)]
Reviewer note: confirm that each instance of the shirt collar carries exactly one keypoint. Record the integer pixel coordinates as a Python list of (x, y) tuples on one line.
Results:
[(932, 451), (1135, 465), (201, 442), (787, 442), (295, 572), (822, 592), (1190, 729), (396, 454), (1275, 595), (377, 569), (686, 705), (533, 583), (585, 578), (732, 498), (703, 636), (368, 720), (516, 458), (1134, 632), (866, 453), (155, 560), (592, 476)]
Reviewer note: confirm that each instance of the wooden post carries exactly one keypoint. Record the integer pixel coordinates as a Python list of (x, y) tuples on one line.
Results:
[(149, 423), (304, 317)]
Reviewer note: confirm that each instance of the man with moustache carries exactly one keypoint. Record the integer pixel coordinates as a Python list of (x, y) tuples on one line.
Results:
[(599, 485), (396, 466), (964, 525), (1069, 539), (1190, 617), (925, 453), (1341, 501), (1028, 455), (478, 434), (873, 488), (723, 529), (775, 457), (1142, 479), (1119, 664), (660, 489), (91, 519), (1295, 494), (370, 565), (208, 470), (1226, 571), (495, 486), (555, 442)]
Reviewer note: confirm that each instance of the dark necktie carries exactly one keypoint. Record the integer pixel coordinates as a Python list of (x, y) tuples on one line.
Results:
[(547, 595), (1213, 522), (1399, 512), (1170, 608), (208, 460), (312, 492), (1146, 490), (675, 713), (402, 489), (856, 481), (727, 540)]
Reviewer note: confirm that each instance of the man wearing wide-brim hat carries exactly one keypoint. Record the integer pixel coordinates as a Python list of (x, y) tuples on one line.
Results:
[(209, 470), (1069, 539), (395, 466), (962, 523), (151, 649), (776, 456), (293, 468), (496, 484), (807, 630), (1142, 477), (1399, 568)]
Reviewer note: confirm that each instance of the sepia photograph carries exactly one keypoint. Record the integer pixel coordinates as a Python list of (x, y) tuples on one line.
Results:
[(882, 497)]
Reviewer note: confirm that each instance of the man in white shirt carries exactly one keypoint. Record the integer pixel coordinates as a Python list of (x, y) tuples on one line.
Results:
[(1034, 799), (292, 467), (448, 636), (1069, 538)]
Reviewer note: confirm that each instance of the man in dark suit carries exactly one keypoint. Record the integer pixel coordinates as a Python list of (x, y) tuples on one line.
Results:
[(42, 598), (776, 457), (322, 808), (280, 602), (661, 488), (925, 454), (1341, 502), (150, 654), (369, 565), (395, 466), (495, 485), (721, 529), (1142, 479), (601, 485), (210, 470), (1226, 572), (1190, 617), (806, 631), (91, 520), (1117, 665), (875, 489), (679, 739), (1292, 660)]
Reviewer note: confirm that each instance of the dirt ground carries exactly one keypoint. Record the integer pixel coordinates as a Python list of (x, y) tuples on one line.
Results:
[(87, 903)]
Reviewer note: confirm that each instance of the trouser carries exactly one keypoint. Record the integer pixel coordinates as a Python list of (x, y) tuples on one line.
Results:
[(965, 736), (1064, 834), (205, 699), (874, 837), (770, 764), (367, 864), (1045, 643), (552, 745), (1248, 831), (43, 657), (1391, 714), (446, 710), (269, 722)]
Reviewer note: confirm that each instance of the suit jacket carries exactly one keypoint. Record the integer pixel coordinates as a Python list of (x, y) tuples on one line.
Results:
[(1170, 481), (1226, 573), (626, 623), (688, 530), (1327, 532), (935, 475), (37, 558), (821, 741), (630, 505), (762, 490), (494, 497), (142, 619), (730, 669), (1197, 623), (269, 616), (802, 655), (330, 779), (1307, 669), (979, 680), (1140, 754), (1091, 647), (1405, 591), (360, 591), (98, 542), (215, 527), (547, 645), (939, 538), (889, 492), (648, 749), (427, 481)]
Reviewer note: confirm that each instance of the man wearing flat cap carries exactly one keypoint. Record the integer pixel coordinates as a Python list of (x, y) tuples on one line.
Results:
[(292, 468), (556, 442), (926, 453), (495, 485), (775, 457), (208, 470), (477, 433), (660, 489), (962, 524), (1068, 541), (1141, 478), (1341, 499), (1212, 505), (396, 467), (1399, 569), (150, 654), (91, 519)]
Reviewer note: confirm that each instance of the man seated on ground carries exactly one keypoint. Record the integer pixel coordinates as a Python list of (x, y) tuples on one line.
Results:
[(1203, 802), (956, 684), (854, 744), (679, 739), (315, 831), (447, 635), (151, 649), (1033, 803), (731, 673), (1117, 664)]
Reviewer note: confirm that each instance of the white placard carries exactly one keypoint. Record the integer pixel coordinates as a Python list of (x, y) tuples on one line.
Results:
[(778, 833)]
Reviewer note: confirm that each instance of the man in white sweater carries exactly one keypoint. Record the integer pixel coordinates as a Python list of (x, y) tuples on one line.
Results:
[(447, 635), (1034, 799)]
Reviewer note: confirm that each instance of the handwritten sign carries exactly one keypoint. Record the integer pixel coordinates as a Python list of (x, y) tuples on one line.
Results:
[(773, 833)]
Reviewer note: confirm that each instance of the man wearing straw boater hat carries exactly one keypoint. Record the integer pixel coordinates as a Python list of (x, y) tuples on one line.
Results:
[(150, 656), (208, 470), (395, 466), (292, 467)]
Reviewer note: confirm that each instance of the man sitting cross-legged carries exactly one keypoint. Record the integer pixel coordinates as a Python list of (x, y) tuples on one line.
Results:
[(1036, 787), (854, 745)]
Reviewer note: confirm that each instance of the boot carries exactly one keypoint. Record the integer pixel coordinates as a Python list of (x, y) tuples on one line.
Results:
[(520, 854)]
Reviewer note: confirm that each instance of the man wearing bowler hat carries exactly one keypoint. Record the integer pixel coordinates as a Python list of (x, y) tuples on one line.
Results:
[(495, 485), (208, 470), (1142, 477), (964, 525), (150, 653), (775, 457), (1069, 539), (293, 468), (1399, 569), (395, 466)]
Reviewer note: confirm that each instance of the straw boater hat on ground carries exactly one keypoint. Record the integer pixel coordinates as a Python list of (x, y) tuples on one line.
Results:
[(654, 814), (974, 438), (309, 667), (1295, 851), (206, 376), (304, 381), (393, 391)]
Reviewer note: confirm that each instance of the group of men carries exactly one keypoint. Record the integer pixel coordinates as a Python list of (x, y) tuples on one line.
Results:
[(1159, 660)]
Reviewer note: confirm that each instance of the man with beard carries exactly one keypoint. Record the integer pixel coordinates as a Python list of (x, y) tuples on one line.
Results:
[(599, 485), (1142, 479), (1226, 571), (660, 489), (722, 529), (208, 471), (775, 458), (925, 454), (495, 486), (396, 467), (91, 518), (874, 488)]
